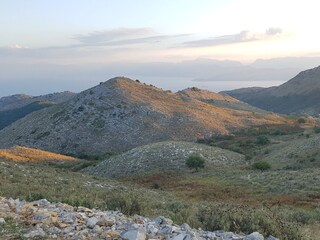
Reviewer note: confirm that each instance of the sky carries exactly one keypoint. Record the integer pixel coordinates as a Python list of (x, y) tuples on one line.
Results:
[(48, 46)]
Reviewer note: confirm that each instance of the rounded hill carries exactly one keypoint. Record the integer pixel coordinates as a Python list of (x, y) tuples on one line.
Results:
[(163, 156)]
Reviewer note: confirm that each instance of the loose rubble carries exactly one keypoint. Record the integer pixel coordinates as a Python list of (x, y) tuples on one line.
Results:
[(61, 221)]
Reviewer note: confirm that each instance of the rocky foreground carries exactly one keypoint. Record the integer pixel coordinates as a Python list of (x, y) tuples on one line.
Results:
[(47, 220)]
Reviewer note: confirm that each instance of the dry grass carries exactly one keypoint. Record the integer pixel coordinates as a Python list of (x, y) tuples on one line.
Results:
[(201, 94), (24, 154), (214, 117)]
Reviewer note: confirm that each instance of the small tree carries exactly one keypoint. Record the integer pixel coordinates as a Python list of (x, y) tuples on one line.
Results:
[(195, 162)]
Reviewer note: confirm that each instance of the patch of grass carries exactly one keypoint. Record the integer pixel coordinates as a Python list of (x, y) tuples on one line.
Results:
[(243, 218), (12, 229)]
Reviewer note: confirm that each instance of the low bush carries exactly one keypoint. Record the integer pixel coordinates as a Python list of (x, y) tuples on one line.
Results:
[(261, 165), (301, 120), (262, 140)]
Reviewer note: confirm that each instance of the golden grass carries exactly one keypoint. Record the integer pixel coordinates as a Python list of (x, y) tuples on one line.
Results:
[(218, 118), (24, 154)]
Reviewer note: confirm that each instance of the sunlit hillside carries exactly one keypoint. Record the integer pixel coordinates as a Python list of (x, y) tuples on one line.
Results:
[(18, 153)]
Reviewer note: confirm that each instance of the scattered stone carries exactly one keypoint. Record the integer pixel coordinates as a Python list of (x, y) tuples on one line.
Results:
[(254, 236), (138, 234), (35, 234), (272, 238), (62, 221), (183, 236), (91, 222)]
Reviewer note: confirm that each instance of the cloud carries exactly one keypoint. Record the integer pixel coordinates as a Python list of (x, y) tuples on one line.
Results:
[(244, 36), (112, 35), (18, 46), (273, 31), (123, 36)]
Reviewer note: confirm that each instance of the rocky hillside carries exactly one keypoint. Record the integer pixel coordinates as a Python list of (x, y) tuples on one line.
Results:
[(44, 220), (121, 114), (23, 154), (300, 95), (163, 156), (15, 107)]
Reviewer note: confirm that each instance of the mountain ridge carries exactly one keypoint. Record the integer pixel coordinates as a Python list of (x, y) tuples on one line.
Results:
[(121, 114)]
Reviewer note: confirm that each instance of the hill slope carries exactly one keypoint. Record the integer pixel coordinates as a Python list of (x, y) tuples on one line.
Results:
[(23, 154), (121, 114), (17, 106), (300, 95), (163, 156)]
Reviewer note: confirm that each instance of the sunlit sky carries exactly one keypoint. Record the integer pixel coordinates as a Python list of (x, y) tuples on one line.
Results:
[(82, 34)]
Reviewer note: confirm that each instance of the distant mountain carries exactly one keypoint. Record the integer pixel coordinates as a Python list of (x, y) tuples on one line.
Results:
[(300, 95), (17, 106), (21, 100), (121, 114)]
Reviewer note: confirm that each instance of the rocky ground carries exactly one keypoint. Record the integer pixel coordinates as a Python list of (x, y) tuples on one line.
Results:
[(45, 220)]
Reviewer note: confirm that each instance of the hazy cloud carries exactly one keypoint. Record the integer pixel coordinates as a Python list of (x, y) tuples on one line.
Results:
[(244, 36), (273, 31), (113, 34), (123, 36)]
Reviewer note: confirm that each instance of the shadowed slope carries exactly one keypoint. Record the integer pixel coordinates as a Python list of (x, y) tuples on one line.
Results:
[(300, 95)]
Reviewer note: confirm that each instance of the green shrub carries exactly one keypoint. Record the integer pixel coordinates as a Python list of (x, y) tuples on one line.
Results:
[(261, 165), (262, 140), (195, 162)]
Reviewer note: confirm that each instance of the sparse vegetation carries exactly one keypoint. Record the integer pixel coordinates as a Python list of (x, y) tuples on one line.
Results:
[(317, 130), (242, 218), (256, 191), (195, 89)]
